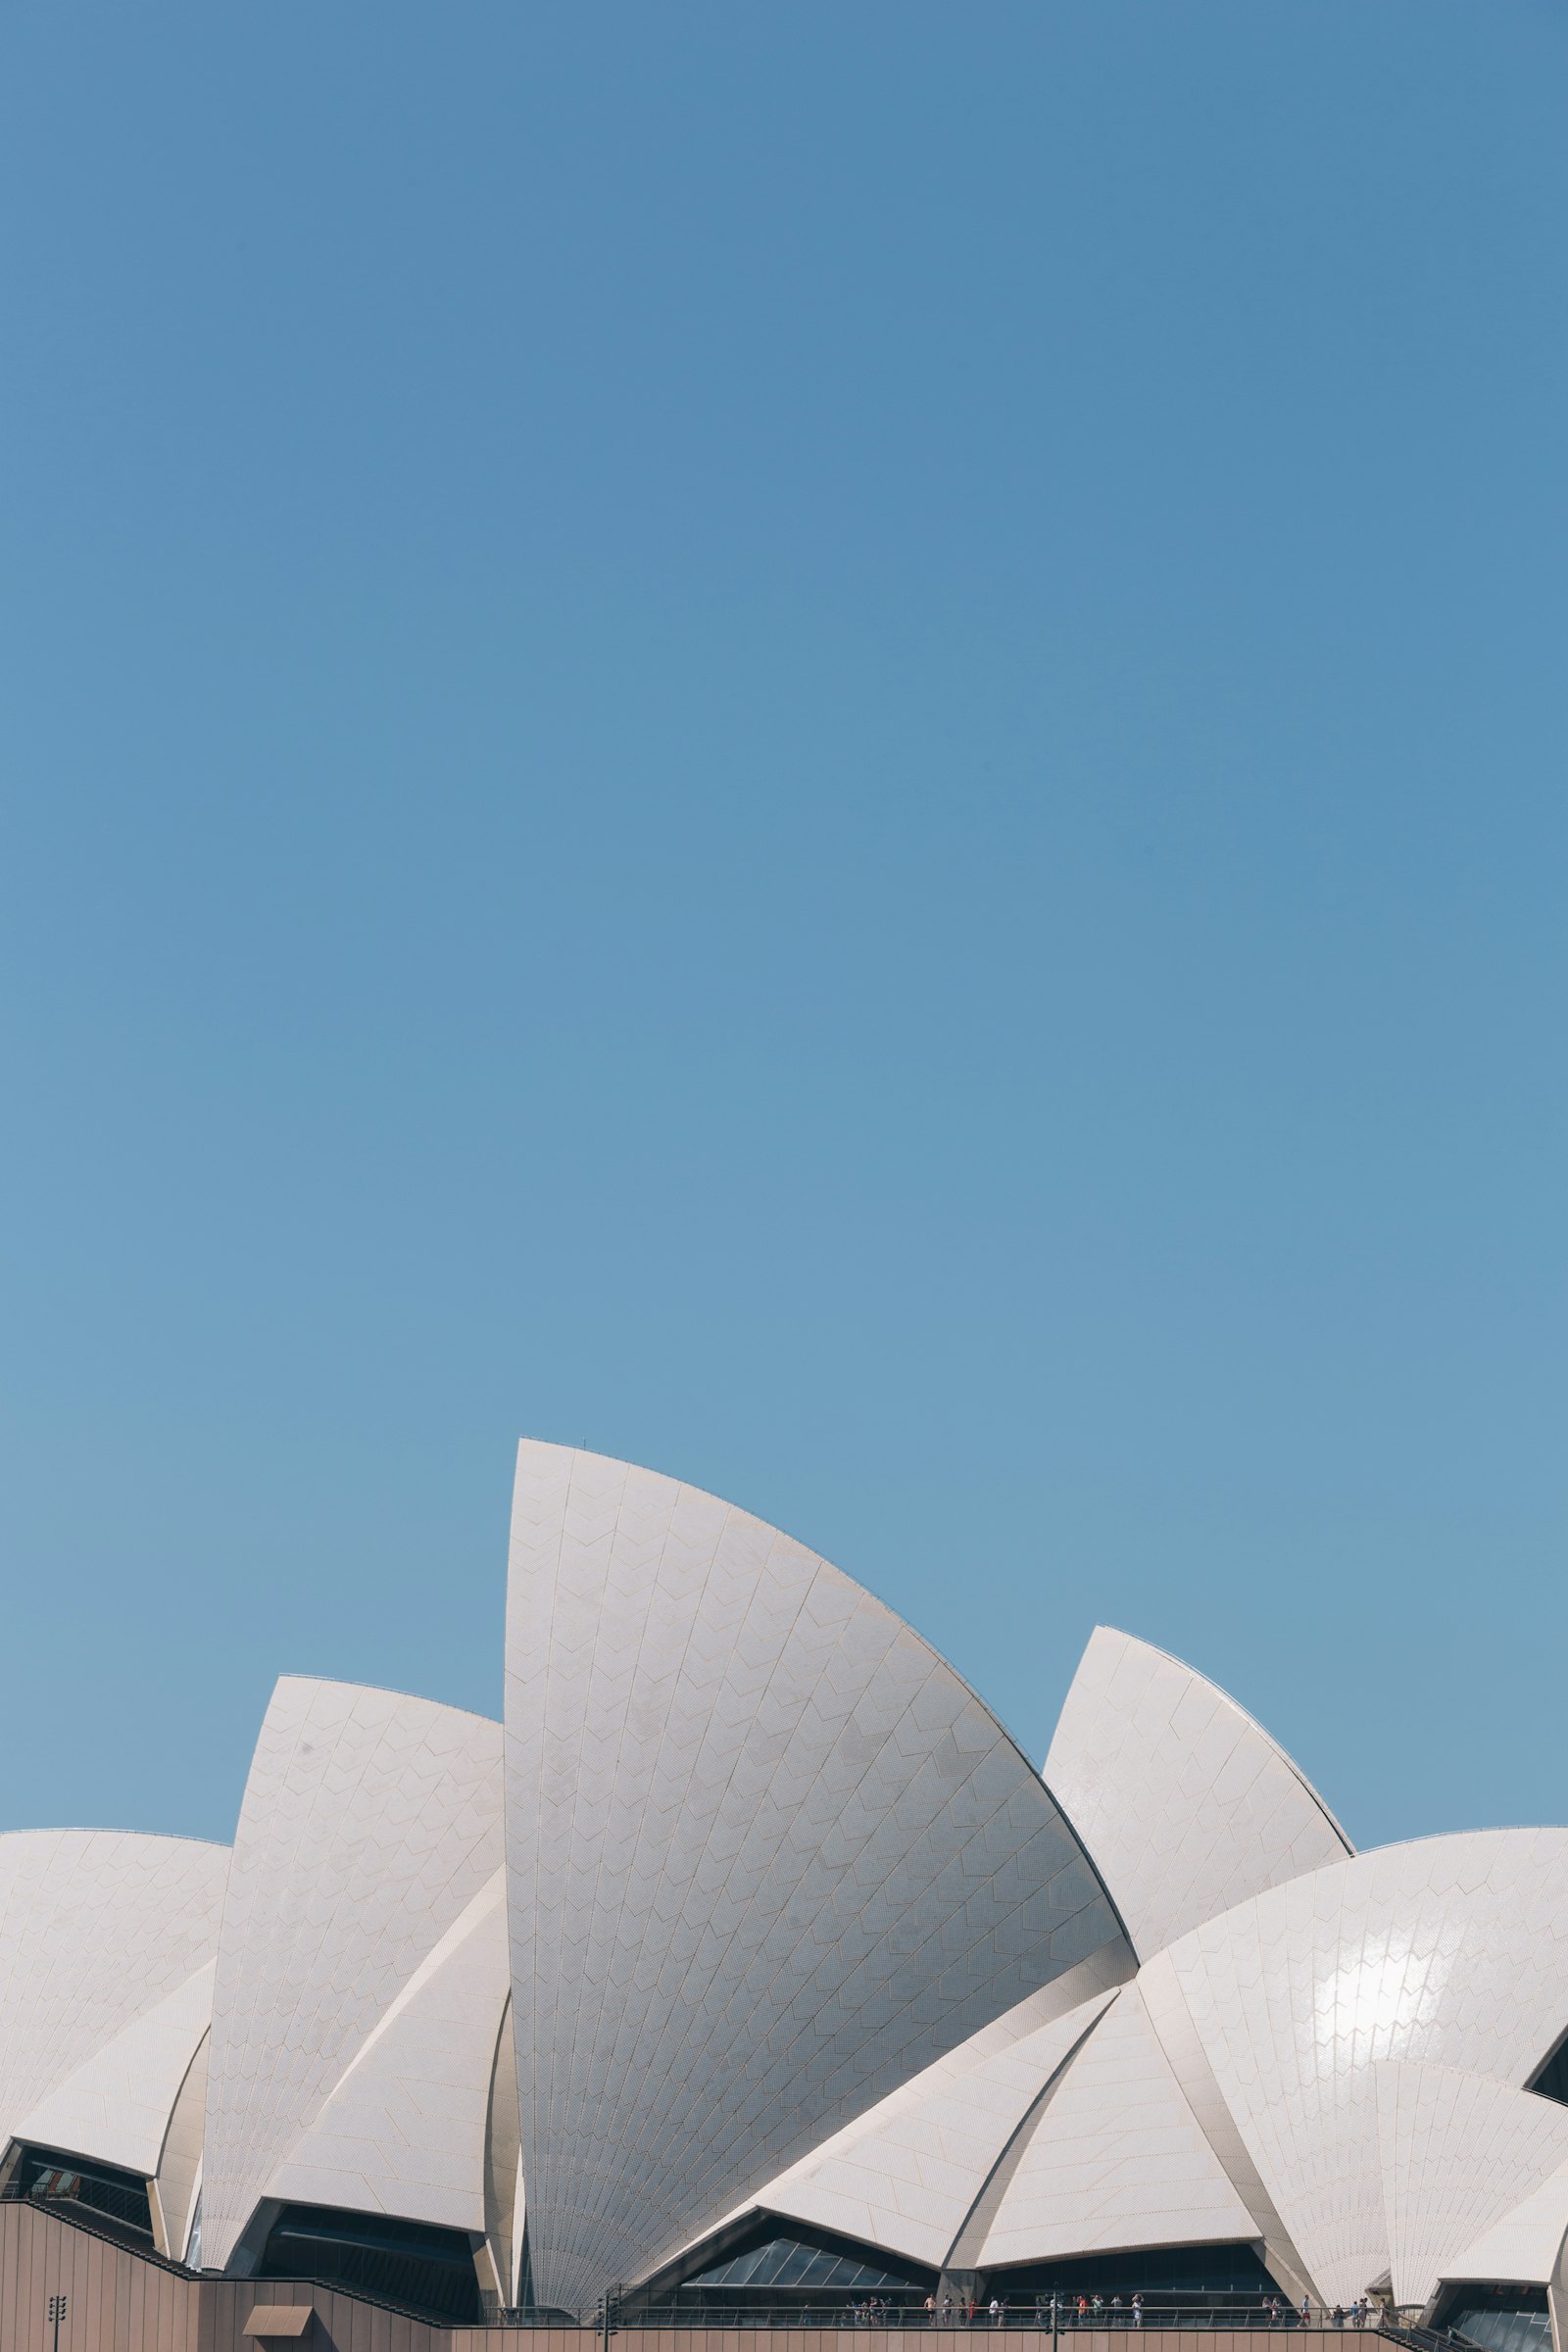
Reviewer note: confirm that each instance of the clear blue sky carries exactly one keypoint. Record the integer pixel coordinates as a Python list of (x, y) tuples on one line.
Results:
[(825, 744)]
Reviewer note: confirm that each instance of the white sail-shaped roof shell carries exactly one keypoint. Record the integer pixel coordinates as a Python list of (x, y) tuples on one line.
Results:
[(1452, 1951), (1186, 1805), (906, 2175), (403, 2132), (117, 2104), (99, 1929), (1116, 2159), (768, 1856), (1458, 2153), (1526, 2244), (369, 1823)]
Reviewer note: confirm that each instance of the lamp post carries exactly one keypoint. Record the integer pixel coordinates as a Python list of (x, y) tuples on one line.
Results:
[(57, 2312)]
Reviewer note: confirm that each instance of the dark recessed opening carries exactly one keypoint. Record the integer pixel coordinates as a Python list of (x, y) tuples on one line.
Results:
[(1553, 2081), (111, 2199), (789, 2267), (1501, 2317), (424, 2268), (1170, 2276)]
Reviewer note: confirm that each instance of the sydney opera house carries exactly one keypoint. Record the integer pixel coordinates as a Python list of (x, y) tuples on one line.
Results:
[(748, 1968)]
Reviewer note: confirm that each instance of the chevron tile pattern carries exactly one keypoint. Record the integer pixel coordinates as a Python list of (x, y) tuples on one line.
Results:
[(768, 1856), (1187, 1804), (98, 1928), (1453, 1952), (1116, 2157), (1459, 2153), (369, 1823), (906, 2175)]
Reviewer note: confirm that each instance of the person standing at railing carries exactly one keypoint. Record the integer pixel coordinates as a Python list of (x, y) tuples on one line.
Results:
[(1138, 2311), (1306, 2311)]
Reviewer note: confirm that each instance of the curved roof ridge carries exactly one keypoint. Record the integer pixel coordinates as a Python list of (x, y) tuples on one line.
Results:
[(99, 1829), (421, 1698), (1230, 1701), (1187, 1804), (857, 1584)]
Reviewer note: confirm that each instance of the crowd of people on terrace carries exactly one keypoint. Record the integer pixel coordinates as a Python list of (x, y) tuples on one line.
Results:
[(1058, 2311)]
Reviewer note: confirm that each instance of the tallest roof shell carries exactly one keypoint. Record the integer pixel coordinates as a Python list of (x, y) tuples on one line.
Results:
[(768, 1855)]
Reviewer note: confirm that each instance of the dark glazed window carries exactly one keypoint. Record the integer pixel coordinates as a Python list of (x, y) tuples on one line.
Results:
[(427, 2269), (1177, 2275), (1502, 2319), (788, 2262), (1553, 2081), (797, 2271), (101, 2193)]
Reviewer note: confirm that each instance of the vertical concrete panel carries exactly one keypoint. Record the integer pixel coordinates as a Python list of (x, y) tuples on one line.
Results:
[(354, 2332), (365, 2331), (220, 2302), (138, 2304), (184, 2317), (21, 2248), (122, 2307), (23, 2281), (85, 2291)]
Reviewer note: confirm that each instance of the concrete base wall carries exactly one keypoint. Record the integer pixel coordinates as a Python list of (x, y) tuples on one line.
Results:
[(115, 2301)]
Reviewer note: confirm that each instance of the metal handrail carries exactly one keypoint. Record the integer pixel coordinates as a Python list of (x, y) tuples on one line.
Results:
[(78, 2215), (1428, 2339), (1213, 2314)]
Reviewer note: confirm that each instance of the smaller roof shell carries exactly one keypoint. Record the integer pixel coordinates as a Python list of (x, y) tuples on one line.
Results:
[(907, 2175), (117, 2104), (370, 1822), (1116, 2157), (99, 1929), (1186, 1805), (1453, 1952), (1524, 2245), (403, 2132), (1459, 2153)]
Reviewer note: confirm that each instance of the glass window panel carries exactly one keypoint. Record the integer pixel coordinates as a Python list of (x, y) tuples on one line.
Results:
[(796, 2266)]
